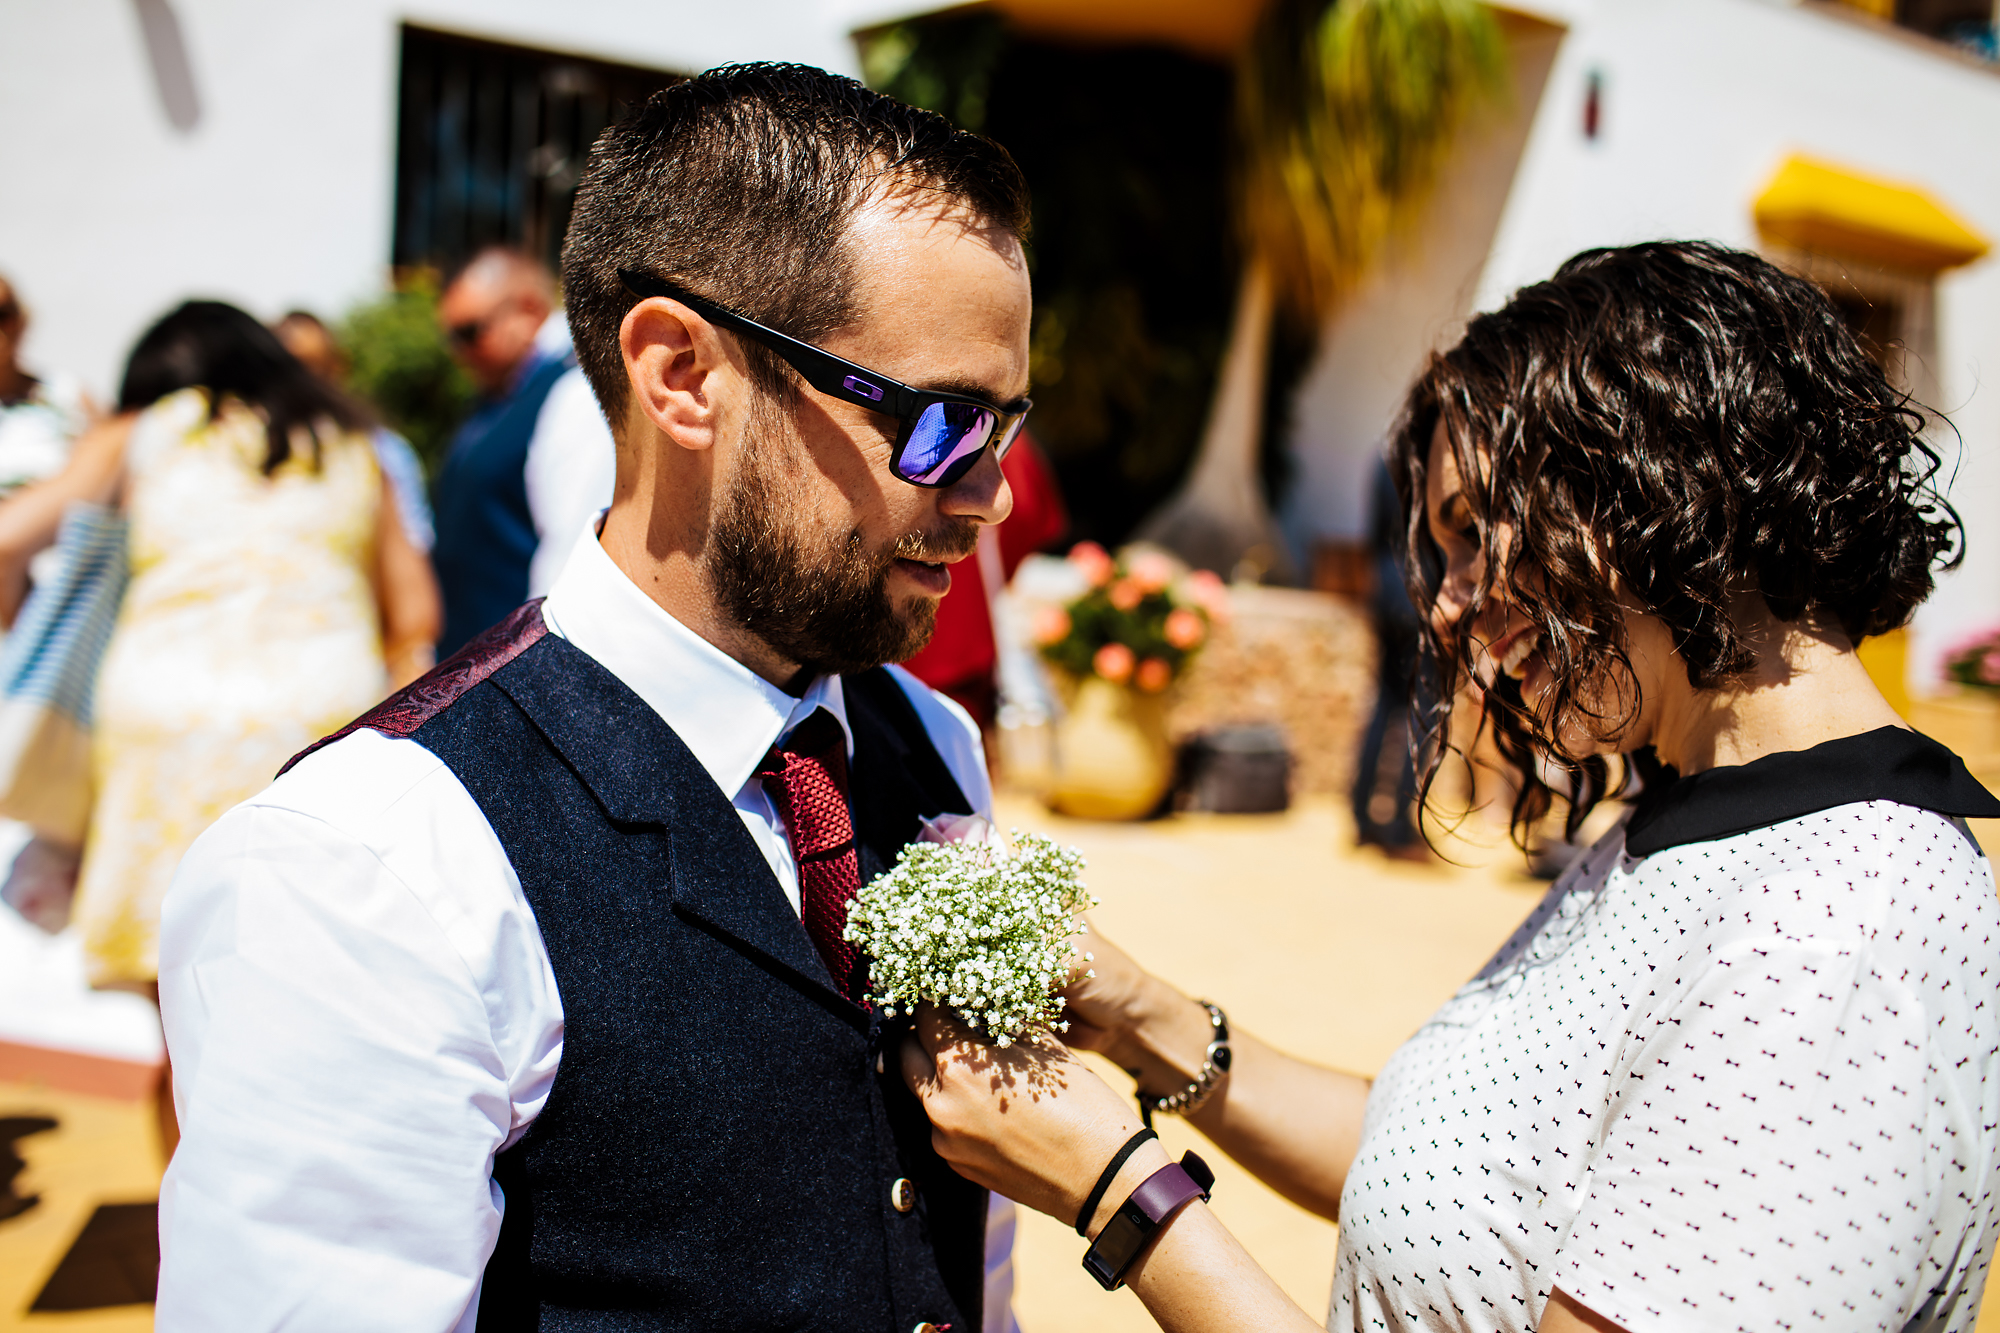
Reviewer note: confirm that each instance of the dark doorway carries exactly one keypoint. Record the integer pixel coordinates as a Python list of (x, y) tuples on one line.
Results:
[(491, 140), (1126, 150)]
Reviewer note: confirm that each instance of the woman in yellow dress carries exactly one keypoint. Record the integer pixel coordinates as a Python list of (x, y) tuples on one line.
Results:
[(273, 598)]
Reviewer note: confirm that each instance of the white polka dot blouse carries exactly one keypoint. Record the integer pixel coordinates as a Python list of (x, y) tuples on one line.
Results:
[(1739, 1070)]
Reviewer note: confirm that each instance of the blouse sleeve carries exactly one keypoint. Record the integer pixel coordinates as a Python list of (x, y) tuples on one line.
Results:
[(1778, 1153)]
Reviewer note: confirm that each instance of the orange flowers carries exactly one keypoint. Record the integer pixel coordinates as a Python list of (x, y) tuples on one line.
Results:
[(1051, 625), (1094, 561), (1114, 662), (1152, 571), (1184, 629), (1138, 620)]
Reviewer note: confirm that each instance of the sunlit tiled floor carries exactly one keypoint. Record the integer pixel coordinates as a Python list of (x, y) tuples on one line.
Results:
[(102, 1151), (1328, 952)]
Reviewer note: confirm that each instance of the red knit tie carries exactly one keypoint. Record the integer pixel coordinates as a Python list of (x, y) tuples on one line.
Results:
[(806, 778)]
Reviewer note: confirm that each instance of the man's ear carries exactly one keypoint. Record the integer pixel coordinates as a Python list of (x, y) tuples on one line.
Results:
[(678, 370)]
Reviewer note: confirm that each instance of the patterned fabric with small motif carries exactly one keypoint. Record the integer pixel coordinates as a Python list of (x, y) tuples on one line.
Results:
[(1752, 1083)]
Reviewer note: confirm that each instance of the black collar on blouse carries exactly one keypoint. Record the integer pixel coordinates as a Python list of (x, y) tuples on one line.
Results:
[(1888, 764)]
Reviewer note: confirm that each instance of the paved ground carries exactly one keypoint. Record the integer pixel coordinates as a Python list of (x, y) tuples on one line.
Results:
[(1330, 953)]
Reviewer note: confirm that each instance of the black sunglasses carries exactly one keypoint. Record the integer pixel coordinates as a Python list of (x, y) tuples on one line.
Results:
[(464, 335), (942, 435)]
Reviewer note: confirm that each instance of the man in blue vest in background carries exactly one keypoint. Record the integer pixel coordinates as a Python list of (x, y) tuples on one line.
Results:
[(496, 313)]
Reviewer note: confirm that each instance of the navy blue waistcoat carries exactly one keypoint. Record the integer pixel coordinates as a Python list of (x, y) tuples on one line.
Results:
[(485, 531), (717, 1150)]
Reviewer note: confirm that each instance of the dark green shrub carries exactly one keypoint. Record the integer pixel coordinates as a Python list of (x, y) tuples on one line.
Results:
[(398, 360)]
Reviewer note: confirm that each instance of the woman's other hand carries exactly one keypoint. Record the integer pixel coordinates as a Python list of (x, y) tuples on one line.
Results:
[(1029, 1121), (1104, 995), (1137, 1021)]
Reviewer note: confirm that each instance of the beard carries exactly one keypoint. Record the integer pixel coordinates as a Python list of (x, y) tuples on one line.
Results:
[(819, 598)]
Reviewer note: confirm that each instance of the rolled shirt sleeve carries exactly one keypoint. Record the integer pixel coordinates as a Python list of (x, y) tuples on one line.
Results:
[(343, 1074)]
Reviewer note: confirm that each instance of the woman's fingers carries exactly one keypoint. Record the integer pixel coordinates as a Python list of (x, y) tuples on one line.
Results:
[(1027, 1120), (919, 1066)]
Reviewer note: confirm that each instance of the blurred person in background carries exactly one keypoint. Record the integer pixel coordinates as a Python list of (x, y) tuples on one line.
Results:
[(40, 417), (307, 337), (535, 459), (571, 466), (1385, 776), (39, 414), (274, 596)]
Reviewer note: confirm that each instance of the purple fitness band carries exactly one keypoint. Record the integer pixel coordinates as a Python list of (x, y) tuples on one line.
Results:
[(1140, 1217)]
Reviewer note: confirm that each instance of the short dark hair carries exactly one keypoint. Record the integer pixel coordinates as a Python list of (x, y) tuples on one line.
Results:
[(226, 353), (1704, 424), (739, 184)]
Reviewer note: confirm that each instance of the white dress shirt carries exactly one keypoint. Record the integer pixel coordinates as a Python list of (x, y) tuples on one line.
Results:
[(361, 1012), (572, 463)]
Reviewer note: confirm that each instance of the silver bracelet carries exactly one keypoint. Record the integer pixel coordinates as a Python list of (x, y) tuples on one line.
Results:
[(1214, 1064)]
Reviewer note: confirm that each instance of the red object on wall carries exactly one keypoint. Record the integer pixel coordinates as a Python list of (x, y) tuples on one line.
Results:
[(961, 656)]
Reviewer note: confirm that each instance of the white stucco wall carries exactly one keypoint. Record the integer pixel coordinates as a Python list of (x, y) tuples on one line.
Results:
[(1702, 99), (1417, 301), (282, 193)]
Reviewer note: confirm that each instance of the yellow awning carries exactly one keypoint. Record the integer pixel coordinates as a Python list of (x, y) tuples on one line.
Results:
[(1813, 205)]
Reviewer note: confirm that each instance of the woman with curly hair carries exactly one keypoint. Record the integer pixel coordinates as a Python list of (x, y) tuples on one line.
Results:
[(1741, 1067)]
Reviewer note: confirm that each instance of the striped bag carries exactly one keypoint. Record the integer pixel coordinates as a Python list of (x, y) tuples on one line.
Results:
[(48, 673)]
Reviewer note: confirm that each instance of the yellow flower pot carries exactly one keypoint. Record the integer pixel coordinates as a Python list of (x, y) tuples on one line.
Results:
[(1113, 759)]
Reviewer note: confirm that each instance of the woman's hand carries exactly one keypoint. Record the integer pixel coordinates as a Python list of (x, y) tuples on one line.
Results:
[(1104, 996), (1134, 1019), (1035, 1124), (1030, 1121)]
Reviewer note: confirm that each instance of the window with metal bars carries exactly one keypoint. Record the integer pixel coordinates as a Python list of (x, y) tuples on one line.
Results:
[(491, 140)]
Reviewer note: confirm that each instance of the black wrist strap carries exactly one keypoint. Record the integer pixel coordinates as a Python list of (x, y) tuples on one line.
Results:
[(1124, 1154), (1132, 1228)]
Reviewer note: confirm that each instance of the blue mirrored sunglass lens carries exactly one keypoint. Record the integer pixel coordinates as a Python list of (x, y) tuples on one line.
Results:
[(943, 435)]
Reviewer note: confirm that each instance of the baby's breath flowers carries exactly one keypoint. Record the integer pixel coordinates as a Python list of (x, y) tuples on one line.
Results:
[(976, 928)]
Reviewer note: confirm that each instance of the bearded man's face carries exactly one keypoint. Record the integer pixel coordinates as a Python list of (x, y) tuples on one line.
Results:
[(819, 597)]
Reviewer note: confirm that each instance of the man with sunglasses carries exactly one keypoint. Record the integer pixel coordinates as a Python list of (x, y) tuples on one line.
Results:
[(523, 1000), (500, 321)]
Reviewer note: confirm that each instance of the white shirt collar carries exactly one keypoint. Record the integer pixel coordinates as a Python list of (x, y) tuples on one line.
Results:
[(727, 714)]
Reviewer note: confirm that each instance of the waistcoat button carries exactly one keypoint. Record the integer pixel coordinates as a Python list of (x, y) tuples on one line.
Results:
[(903, 1197)]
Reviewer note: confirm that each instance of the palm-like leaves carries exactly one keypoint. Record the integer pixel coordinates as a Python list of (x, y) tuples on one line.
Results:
[(1346, 110)]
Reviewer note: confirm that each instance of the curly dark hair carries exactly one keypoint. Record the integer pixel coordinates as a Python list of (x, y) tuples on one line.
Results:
[(1697, 423), (740, 185)]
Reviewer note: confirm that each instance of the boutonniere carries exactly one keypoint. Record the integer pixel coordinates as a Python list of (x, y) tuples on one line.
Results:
[(971, 924)]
